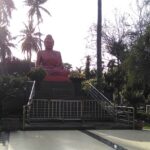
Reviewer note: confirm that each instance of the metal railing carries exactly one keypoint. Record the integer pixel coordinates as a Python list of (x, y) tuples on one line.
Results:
[(26, 108), (108, 106), (125, 115), (97, 108), (44, 109), (148, 109), (98, 95), (120, 113), (32, 94)]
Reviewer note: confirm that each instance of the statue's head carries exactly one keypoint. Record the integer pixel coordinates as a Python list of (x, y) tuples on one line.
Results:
[(49, 42)]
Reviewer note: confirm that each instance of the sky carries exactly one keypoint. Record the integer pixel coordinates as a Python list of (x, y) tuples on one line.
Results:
[(69, 24)]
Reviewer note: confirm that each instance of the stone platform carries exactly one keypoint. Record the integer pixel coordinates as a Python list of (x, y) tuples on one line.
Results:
[(55, 90)]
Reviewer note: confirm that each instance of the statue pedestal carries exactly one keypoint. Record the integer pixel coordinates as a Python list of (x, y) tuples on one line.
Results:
[(56, 78), (55, 90)]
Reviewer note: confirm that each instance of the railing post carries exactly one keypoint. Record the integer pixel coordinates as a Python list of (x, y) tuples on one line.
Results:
[(24, 113), (101, 111), (115, 110), (128, 113), (133, 117), (82, 110)]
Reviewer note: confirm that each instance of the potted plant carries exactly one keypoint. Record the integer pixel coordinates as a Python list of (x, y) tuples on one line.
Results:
[(37, 74), (77, 76)]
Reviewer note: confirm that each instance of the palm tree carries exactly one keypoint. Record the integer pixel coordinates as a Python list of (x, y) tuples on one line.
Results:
[(30, 40), (99, 35), (6, 7), (35, 9), (5, 51)]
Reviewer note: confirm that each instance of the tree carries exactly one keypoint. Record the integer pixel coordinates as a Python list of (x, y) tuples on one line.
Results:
[(116, 37), (138, 60), (35, 9), (6, 7), (5, 45), (30, 40), (67, 66)]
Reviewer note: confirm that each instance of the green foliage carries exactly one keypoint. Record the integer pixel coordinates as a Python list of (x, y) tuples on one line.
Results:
[(86, 86), (76, 75), (12, 93), (87, 67), (6, 7), (134, 94), (116, 48), (37, 74), (67, 66), (35, 9), (137, 68), (143, 116), (114, 80), (5, 44), (10, 84), (30, 40), (17, 66)]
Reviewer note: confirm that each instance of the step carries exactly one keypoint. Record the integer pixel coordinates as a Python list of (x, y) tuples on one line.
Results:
[(75, 125)]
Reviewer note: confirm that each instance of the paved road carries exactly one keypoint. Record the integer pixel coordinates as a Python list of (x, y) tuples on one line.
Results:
[(76, 140), (129, 139), (54, 140)]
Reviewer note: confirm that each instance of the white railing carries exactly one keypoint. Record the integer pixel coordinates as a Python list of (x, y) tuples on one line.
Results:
[(148, 109), (99, 95), (44, 109), (31, 93), (120, 113), (125, 114), (26, 108), (107, 105)]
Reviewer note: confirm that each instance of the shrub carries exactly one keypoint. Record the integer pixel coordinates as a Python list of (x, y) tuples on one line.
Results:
[(18, 66), (76, 75), (143, 116), (37, 74), (86, 86), (13, 94)]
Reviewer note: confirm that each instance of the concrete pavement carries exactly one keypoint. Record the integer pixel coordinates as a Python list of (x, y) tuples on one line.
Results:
[(129, 139), (54, 140), (76, 140), (4, 140)]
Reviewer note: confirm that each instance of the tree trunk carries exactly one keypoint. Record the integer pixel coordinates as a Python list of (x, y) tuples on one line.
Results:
[(99, 35)]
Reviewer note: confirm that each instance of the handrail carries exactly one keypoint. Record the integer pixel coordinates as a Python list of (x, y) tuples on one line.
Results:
[(101, 95), (29, 103), (31, 93)]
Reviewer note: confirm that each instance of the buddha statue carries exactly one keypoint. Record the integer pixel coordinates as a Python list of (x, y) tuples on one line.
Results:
[(51, 61)]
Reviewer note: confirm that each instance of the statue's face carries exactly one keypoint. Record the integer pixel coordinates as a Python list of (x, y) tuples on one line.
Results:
[(49, 42)]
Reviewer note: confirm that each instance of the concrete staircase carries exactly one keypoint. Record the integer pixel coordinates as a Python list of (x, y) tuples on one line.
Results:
[(55, 106)]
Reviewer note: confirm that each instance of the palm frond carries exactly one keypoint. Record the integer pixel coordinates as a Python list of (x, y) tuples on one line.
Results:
[(41, 1), (39, 16), (31, 12), (45, 10)]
